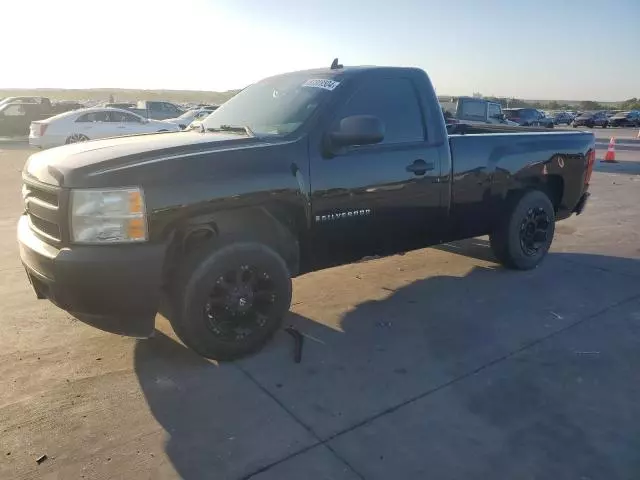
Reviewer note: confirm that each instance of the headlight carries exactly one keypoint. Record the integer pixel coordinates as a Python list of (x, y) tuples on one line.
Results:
[(108, 216)]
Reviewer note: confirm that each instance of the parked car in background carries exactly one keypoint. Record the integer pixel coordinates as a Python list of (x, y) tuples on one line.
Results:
[(15, 118), (625, 119), (591, 119), (38, 100), (195, 114), (562, 117), (92, 123), (17, 113), (157, 110), (528, 117), (474, 110)]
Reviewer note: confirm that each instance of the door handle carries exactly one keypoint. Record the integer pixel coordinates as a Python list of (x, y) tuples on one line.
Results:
[(420, 167)]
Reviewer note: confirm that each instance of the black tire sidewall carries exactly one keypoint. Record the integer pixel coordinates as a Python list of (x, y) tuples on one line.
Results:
[(517, 257), (201, 276)]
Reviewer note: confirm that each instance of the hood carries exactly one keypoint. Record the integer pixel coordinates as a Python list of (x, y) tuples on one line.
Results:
[(73, 165)]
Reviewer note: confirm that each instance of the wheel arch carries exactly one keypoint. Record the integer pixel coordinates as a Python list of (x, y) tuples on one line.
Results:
[(277, 226)]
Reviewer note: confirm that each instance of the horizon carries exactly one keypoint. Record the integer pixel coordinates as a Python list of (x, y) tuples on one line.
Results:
[(107, 90), (455, 44)]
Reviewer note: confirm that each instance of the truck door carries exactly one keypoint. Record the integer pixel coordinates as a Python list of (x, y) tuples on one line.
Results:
[(377, 198)]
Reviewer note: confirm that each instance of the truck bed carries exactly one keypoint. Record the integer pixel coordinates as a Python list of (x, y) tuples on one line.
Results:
[(494, 160), (475, 128)]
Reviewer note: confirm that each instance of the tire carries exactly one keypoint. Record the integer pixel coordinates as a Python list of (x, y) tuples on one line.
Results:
[(575, 126), (605, 125), (530, 216), (76, 138), (229, 301)]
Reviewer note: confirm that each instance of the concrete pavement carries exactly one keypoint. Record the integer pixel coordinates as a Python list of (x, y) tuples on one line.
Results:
[(433, 364)]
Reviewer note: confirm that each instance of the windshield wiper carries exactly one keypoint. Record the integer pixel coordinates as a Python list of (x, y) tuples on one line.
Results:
[(233, 128)]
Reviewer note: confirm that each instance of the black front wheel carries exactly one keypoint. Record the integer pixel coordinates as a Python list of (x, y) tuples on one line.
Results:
[(229, 301), (524, 237)]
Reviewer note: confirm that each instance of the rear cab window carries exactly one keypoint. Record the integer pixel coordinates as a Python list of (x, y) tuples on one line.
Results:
[(470, 109)]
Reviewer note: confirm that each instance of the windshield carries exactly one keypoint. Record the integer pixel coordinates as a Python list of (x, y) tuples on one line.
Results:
[(275, 106), (622, 115)]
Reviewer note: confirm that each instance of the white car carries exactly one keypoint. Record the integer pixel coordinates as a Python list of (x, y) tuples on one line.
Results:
[(193, 115), (92, 123)]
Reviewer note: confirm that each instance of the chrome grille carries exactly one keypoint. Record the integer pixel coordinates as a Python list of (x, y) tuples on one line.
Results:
[(42, 206)]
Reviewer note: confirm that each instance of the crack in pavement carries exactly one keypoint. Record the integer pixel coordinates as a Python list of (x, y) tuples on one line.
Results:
[(298, 420)]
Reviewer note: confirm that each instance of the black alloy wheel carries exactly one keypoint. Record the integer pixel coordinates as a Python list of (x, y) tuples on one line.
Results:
[(229, 299), (523, 237), (534, 230), (240, 303)]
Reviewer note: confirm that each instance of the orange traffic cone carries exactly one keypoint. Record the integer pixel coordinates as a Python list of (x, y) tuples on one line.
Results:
[(610, 156)]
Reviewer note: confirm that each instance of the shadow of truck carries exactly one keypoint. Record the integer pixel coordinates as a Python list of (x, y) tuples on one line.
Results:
[(222, 421)]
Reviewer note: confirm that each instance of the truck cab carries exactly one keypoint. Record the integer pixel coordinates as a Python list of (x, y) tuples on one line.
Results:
[(474, 110)]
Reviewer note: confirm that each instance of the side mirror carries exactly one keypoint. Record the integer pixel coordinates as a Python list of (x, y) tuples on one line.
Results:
[(357, 130)]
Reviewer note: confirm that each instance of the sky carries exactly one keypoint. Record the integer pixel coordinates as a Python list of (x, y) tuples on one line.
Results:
[(541, 49)]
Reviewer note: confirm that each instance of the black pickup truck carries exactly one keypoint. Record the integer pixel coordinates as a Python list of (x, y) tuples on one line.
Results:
[(296, 172)]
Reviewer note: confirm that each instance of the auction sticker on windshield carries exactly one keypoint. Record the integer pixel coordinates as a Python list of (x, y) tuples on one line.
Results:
[(321, 83)]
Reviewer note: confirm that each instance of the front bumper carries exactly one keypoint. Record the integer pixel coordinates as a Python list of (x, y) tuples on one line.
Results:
[(115, 288)]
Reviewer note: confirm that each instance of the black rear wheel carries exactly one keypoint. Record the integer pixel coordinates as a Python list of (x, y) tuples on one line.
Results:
[(228, 302), (524, 237)]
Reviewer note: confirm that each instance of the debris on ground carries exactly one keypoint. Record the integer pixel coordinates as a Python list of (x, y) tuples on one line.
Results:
[(41, 459), (298, 341)]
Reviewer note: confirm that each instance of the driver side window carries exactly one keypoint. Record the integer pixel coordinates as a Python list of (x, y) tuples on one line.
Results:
[(392, 100)]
